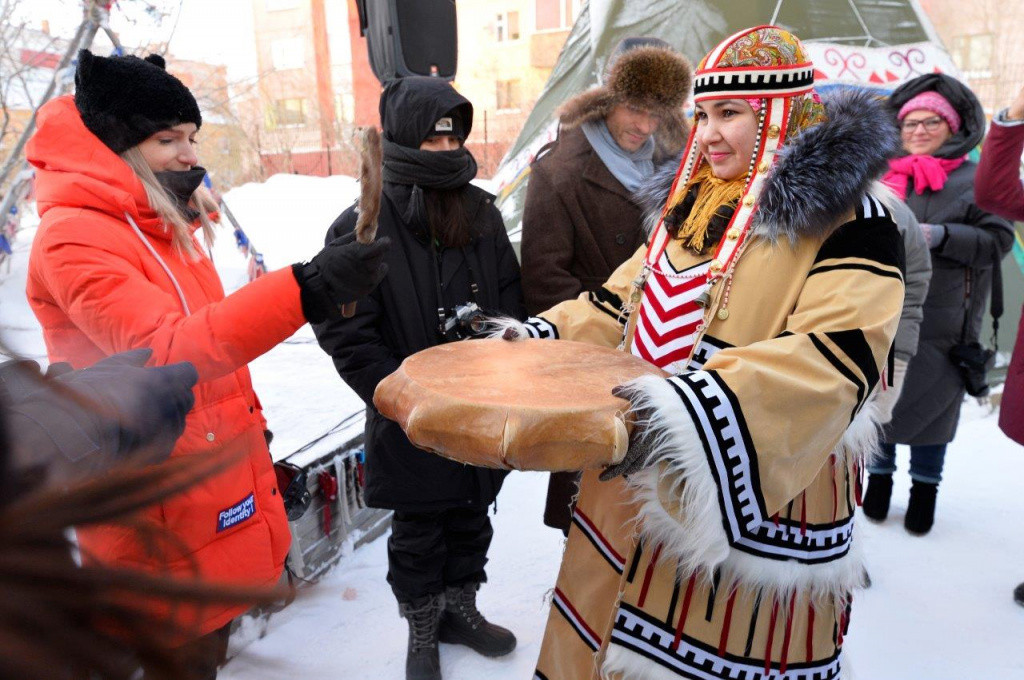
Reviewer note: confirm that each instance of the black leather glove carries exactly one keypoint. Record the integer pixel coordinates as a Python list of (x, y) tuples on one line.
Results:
[(640, 453), (344, 271)]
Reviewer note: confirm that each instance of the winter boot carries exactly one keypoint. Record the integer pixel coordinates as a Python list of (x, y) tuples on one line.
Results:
[(421, 658), (463, 624), (876, 499), (921, 509), (1018, 594)]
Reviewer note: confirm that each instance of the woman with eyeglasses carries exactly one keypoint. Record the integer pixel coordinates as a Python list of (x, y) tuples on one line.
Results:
[(940, 121)]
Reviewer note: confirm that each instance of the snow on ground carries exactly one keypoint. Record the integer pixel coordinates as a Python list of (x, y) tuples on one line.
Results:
[(940, 606)]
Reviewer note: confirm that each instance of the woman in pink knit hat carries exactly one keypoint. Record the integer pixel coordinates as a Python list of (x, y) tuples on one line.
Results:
[(940, 122)]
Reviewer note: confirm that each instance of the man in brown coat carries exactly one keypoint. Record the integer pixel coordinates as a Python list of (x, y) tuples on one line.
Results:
[(580, 220)]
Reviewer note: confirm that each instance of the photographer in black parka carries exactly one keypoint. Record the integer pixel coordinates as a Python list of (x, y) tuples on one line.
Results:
[(449, 252)]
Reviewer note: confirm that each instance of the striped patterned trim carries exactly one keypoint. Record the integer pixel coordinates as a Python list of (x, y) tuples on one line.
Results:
[(636, 631), (855, 265), (667, 322), (733, 464), (870, 208), (706, 348), (585, 632), (542, 329), (600, 543), (717, 83)]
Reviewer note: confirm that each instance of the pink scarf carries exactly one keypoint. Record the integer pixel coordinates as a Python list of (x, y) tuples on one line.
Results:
[(928, 172)]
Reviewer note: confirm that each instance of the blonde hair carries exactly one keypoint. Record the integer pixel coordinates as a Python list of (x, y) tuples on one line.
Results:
[(166, 208)]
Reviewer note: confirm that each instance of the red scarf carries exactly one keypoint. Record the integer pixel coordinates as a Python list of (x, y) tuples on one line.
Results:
[(928, 172)]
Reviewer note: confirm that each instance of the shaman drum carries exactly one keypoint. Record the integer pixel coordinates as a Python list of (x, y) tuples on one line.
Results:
[(525, 405)]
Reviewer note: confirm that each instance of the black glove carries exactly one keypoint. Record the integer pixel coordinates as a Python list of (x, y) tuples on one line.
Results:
[(641, 446), (344, 271)]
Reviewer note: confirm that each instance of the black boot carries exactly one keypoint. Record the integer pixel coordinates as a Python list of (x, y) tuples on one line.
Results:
[(463, 624), (1018, 594), (921, 509), (423, 615), (876, 498)]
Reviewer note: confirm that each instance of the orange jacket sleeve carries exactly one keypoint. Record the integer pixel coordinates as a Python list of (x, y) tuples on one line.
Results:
[(105, 293)]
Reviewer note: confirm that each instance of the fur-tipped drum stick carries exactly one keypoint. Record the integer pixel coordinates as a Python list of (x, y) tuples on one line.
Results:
[(369, 196)]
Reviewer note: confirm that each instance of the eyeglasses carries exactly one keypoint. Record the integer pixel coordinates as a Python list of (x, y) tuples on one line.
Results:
[(930, 124)]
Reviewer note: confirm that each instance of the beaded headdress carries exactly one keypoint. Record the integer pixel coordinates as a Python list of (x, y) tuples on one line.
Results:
[(768, 67)]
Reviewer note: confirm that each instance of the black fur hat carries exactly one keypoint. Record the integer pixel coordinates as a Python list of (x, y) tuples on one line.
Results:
[(124, 100)]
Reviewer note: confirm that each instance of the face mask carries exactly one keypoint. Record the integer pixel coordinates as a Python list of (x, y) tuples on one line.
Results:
[(181, 185)]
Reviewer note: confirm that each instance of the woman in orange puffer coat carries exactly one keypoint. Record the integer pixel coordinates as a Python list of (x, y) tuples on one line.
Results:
[(115, 266)]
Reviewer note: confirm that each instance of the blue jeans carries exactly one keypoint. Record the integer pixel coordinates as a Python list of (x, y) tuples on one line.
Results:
[(925, 462)]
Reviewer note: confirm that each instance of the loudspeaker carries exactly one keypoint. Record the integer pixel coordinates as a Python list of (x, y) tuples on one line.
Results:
[(410, 37)]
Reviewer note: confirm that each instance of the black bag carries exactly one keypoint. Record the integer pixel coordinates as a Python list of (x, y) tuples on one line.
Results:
[(973, 359), (293, 483)]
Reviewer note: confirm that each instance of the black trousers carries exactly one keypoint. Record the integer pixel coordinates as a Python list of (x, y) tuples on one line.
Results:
[(429, 551)]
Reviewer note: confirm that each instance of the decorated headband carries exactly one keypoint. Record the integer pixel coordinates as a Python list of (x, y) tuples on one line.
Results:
[(769, 65)]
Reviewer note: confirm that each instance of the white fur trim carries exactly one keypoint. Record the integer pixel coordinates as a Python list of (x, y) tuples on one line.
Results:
[(497, 326), (696, 537), (860, 441)]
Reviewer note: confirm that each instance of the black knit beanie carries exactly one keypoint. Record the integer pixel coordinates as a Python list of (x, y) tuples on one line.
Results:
[(124, 100)]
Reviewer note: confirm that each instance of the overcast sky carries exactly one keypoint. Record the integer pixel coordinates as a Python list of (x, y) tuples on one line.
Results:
[(214, 31)]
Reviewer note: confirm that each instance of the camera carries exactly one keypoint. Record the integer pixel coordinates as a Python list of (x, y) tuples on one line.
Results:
[(466, 321), (974, 363)]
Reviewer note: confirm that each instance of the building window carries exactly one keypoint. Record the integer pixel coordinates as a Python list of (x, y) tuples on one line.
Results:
[(287, 53), (508, 96), (275, 5), (286, 113), (973, 54), (506, 27), (556, 15)]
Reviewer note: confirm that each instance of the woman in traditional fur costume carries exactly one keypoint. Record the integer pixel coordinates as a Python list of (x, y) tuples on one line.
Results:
[(771, 288)]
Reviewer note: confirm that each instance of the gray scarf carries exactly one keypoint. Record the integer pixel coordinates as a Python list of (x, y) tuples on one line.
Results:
[(631, 169)]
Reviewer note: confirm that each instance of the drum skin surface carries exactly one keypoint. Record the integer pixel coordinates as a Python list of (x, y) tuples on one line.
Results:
[(525, 405)]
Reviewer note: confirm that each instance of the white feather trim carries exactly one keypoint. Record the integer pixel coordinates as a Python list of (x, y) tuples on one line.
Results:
[(696, 537)]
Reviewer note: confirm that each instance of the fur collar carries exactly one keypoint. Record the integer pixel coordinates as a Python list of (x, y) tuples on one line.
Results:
[(818, 177)]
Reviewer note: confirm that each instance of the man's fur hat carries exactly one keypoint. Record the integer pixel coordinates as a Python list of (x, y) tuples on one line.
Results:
[(649, 77)]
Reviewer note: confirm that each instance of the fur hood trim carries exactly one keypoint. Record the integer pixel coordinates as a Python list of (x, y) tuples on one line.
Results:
[(696, 537), (818, 176)]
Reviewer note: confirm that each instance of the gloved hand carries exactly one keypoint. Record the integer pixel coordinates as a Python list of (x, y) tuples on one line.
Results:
[(83, 422), (137, 408), (344, 271), (640, 453)]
